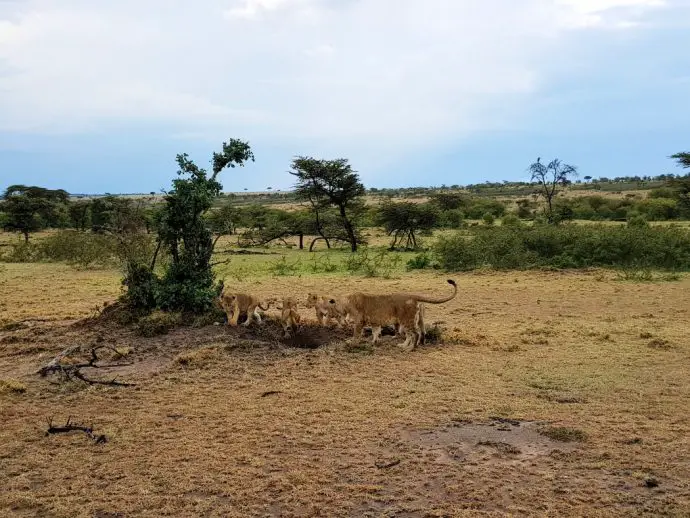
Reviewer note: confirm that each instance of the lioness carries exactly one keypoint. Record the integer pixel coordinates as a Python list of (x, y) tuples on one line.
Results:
[(289, 316), (404, 309), (326, 308), (235, 304)]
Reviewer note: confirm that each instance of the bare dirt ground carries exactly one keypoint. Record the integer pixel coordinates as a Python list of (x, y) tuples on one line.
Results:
[(552, 394)]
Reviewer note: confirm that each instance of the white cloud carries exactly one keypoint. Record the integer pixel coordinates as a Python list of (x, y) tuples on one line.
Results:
[(616, 14), (251, 9), (369, 74)]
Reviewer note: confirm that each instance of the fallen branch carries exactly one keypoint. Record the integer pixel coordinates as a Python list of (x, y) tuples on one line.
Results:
[(271, 392), (73, 370), (113, 383), (54, 364), (69, 427)]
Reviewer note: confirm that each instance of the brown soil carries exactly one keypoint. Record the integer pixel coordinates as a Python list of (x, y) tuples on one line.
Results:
[(234, 422)]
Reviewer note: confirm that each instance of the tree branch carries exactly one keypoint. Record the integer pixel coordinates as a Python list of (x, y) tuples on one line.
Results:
[(69, 427), (73, 370)]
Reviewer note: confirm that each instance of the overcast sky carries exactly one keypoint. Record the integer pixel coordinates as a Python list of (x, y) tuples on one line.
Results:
[(99, 96)]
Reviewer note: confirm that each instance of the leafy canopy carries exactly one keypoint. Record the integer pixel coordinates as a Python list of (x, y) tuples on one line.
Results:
[(188, 281), (31, 208), (327, 183)]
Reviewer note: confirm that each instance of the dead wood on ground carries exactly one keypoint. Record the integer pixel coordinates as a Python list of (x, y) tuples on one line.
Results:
[(73, 370), (69, 427)]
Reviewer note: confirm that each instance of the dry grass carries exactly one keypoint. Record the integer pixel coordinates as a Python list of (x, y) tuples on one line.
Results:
[(10, 386), (224, 423)]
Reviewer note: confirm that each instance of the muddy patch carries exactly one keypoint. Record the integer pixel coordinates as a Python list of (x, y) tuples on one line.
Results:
[(467, 441), (308, 336)]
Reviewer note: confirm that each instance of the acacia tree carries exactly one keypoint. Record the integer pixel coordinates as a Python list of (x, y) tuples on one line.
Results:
[(278, 225), (188, 281), (80, 214), (402, 220), (333, 183), (683, 159), (31, 208), (550, 177)]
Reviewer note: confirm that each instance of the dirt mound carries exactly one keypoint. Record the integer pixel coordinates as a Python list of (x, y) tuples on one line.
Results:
[(307, 336)]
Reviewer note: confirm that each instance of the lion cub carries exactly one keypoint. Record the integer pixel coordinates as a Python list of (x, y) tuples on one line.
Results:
[(235, 304), (289, 316), (326, 308)]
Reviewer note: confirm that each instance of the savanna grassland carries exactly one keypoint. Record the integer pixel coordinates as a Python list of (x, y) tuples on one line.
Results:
[(544, 393)]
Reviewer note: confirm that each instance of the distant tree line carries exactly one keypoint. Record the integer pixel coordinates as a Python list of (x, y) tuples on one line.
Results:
[(332, 209)]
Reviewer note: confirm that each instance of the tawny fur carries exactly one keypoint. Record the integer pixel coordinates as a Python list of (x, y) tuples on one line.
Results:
[(326, 310), (404, 309), (236, 304), (289, 317)]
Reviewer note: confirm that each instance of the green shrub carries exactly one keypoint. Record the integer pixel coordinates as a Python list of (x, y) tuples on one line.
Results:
[(566, 246), (419, 262), (141, 287), (372, 264), (664, 192), (637, 220), (659, 209), (478, 207), (21, 252), (322, 264), (183, 233), (511, 220), (81, 249), (282, 268), (488, 219), (453, 218)]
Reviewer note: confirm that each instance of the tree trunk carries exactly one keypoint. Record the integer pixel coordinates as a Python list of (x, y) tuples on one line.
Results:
[(349, 229), (311, 246), (301, 241), (26, 235), (319, 229)]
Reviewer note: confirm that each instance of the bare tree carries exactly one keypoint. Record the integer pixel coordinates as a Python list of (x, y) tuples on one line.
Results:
[(550, 177)]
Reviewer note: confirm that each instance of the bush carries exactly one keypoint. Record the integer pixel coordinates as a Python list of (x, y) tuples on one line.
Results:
[(373, 264), (188, 282), (419, 262), (511, 220), (568, 246), (282, 268), (664, 192), (637, 220), (660, 209), (488, 219), (453, 218), (322, 264), (480, 206), (21, 252), (141, 286), (81, 249)]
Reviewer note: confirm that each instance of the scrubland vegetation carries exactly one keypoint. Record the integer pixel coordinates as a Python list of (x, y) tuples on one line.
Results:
[(555, 383)]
